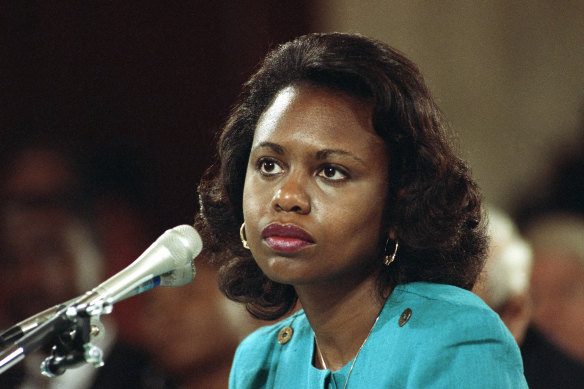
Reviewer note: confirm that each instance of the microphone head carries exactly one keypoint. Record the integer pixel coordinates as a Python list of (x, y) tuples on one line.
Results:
[(183, 242)]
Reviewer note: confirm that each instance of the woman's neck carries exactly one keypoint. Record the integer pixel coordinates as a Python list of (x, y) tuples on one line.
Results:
[(341, 318)]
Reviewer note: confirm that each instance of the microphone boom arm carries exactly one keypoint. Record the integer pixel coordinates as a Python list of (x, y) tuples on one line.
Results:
[(70, 329)]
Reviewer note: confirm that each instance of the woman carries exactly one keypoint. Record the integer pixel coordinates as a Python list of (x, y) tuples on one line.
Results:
[(336, 171)]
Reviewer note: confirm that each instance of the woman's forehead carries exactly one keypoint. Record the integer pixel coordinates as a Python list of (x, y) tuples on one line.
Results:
[(319, 116)]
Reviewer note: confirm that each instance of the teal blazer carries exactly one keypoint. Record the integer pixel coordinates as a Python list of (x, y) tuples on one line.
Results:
[(427, 336)]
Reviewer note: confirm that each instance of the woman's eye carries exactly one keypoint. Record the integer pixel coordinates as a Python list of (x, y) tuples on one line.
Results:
[(332, 173), (269, 167)]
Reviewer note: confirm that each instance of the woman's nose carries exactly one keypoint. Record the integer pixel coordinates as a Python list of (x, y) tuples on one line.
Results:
[(291, 196)]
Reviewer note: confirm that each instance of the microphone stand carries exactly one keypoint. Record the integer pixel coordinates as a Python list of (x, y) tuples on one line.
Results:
[(70, 331)]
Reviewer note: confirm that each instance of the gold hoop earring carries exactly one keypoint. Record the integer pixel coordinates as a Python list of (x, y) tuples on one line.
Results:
[(388, 259), (242, 236)]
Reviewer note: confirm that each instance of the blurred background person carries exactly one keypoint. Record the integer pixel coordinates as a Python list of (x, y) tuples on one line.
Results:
[(553, 350), (535, 282), (50, 253), (504, 282), (193, 330)]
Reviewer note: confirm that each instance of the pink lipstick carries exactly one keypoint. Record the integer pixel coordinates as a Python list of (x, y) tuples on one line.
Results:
[(286, 238)]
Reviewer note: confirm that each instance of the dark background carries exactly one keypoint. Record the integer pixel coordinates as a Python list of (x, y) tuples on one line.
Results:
[(141, 86)]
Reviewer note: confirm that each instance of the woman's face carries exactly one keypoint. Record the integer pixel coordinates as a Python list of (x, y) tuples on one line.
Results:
[(315, 189)]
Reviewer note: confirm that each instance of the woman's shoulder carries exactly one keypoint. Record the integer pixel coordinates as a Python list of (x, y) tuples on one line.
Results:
[(257, 357), (446, 334), (441, 299), (445, 317), (277, 333), (263, 342), (457, 314)]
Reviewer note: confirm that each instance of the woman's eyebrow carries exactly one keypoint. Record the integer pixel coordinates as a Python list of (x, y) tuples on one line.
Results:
[(320, 155), (276, 148), (324, 154)]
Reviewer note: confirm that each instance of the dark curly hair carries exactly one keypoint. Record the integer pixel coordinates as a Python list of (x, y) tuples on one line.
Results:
[(433, 205)]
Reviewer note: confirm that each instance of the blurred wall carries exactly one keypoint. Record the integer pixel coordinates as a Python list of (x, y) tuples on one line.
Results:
[(148, 78), (509, 76)]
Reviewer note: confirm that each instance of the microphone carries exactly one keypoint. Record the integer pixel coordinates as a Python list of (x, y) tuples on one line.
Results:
[(169, 257), (169, 261)]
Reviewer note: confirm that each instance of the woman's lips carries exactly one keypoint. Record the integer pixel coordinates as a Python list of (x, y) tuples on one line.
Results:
[(286, 238)]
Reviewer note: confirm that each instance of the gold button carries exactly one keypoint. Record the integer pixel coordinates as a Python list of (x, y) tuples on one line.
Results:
[(285, 335), (405, 316)]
